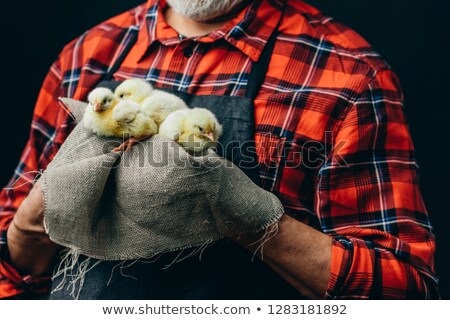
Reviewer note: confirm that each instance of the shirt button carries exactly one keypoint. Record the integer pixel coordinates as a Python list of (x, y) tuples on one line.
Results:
[(187, 47), (188, 51)]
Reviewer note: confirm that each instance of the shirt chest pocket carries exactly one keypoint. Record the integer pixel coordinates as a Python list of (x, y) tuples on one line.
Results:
[(270, 153), (289, 170)]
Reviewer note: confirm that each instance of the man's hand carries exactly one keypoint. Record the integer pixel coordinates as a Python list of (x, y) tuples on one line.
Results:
[(31, 250), (297, 252)]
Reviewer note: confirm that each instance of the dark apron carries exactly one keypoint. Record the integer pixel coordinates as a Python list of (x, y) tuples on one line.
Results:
[(226, 270)]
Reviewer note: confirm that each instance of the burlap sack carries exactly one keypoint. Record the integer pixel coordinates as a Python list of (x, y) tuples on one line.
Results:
[(154, 199)]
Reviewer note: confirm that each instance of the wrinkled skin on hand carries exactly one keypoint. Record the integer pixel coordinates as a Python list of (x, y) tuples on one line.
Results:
[(30, 248)]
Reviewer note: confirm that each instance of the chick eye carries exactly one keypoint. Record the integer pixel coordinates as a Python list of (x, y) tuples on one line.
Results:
[(200, 128), (104, 101)]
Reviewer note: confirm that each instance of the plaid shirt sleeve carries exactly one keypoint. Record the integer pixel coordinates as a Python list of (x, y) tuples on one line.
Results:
[(38, 152), (368, 199)]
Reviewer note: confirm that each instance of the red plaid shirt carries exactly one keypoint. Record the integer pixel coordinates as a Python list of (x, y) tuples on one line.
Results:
[(331, 136)]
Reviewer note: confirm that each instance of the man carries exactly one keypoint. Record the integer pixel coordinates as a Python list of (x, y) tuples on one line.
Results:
[(355, 224)]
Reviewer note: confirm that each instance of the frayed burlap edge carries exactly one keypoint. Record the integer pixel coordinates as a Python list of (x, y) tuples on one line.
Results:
[(73, 272)]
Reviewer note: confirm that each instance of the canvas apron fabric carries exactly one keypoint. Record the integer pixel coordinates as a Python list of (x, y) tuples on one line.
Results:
[(224, 270)]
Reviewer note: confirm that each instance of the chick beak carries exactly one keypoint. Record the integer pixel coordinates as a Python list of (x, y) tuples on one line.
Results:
[(97, 107), (209, 135)]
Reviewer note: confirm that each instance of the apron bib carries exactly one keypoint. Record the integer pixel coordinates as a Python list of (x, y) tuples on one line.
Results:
[(224, 270)]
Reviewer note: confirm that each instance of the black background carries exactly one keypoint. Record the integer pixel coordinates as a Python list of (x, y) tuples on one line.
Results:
[(413, 36)]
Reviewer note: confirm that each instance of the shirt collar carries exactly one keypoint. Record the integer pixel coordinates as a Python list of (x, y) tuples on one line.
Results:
[(248, 32)]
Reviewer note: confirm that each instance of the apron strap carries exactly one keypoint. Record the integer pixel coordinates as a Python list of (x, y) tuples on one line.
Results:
[(259, 68), (133, 39)]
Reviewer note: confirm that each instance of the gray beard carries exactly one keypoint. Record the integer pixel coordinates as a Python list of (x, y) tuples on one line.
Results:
[(203, 10)]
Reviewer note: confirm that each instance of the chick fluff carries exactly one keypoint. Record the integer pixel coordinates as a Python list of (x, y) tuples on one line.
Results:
[(155, 103), (98, 114), (110, 117), (196, 129), (160, 104), (133, 123), (134, 89)]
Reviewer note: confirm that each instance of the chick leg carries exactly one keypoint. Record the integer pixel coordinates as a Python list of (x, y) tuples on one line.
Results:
[(129, 143)]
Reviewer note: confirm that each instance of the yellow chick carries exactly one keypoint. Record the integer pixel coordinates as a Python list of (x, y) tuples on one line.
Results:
[(132, 122), (108, 117), (133, 89), (196, 129), (160, 104), (98, 114)]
